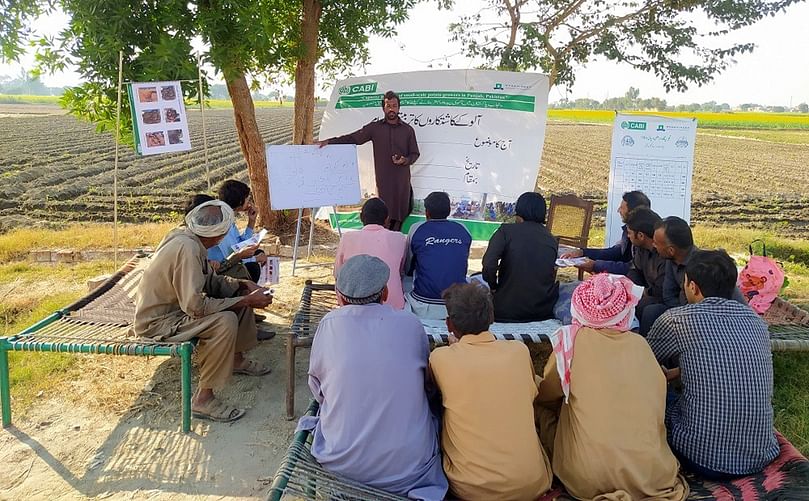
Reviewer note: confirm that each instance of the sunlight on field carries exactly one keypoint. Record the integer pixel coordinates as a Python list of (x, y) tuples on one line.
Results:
[(27, 99), (728, 120), (225, 103), (17, 243)]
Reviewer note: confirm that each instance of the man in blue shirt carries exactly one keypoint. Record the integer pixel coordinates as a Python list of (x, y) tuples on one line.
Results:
[(438, 256), (721, 426), (616, 259)]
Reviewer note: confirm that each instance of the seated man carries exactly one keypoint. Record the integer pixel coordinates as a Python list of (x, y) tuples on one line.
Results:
[(674, 242), (520, 265), (615, 259), (438, 253), (180, 298), (647, 268), (602, 402), (367, 370), (721, 426), (376, 240), (237, 195), (490, 443)]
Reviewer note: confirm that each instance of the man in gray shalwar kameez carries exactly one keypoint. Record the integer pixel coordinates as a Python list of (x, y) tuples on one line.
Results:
[(367, 370)]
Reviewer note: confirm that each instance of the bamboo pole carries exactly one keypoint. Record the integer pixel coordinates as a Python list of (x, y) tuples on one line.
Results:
[(115, 169), (204, 133)]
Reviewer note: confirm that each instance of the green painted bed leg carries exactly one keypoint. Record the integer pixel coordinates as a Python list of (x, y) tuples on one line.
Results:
[(185, 357), (5, 394)]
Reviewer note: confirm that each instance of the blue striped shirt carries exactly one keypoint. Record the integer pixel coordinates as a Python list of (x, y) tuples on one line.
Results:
[(723, 421)]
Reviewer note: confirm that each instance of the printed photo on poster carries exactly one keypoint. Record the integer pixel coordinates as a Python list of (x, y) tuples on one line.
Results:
[(175, 136), (171, 115), (154, 139), (147, 94), (151, 116), (168, 93)]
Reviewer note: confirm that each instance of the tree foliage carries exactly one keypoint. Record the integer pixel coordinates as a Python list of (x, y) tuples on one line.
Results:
[(659, 36), (250, 42), (15, 25)]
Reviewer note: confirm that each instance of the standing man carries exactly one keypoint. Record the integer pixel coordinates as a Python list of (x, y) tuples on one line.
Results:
[(395, 149)]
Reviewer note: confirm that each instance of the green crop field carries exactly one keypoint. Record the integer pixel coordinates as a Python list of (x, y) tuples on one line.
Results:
[(723, 120)]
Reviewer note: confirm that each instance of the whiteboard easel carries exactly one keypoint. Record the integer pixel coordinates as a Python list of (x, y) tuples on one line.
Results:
[(310, 176), (311, 236)]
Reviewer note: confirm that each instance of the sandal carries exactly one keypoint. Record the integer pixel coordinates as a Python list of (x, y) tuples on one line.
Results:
[(252, 369), (216, 410)]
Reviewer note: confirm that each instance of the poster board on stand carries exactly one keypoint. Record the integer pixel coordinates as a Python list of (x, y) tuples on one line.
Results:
[(159, 121), (655, 155), (308, 176)]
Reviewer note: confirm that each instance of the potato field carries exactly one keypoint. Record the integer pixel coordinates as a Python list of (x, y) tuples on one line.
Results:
[(55, 168)]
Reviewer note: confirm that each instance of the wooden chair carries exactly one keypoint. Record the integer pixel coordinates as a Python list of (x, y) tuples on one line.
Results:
[(569, 219)]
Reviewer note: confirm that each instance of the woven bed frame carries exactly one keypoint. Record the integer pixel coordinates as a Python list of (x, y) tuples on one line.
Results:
[(301, 478), (788, 326), (319, 299), (97, 324)]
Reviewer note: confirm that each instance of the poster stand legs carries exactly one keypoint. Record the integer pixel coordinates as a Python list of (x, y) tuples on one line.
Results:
[(297, 239), (311, 232), (296, 246)]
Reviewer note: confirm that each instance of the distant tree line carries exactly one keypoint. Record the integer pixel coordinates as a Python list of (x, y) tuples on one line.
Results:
[(633, 102), (26, 84)]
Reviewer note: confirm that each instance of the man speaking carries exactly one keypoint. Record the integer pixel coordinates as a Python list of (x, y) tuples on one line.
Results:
[(395, 149)]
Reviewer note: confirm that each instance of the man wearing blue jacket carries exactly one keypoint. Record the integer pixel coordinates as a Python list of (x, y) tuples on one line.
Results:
[(615, 259), (437, 256)]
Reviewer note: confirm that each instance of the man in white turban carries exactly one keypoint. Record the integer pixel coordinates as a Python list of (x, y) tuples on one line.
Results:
[(180, 298)]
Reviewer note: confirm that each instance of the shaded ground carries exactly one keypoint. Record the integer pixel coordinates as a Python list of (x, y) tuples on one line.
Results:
[(112, 428)]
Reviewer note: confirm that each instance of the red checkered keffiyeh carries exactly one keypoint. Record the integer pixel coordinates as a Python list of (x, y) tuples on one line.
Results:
[(602, 301)]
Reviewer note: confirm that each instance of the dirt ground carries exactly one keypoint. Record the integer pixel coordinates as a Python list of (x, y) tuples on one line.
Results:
[(112, 429)]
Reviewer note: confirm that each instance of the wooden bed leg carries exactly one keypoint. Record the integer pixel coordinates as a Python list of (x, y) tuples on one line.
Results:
[(291, 376)]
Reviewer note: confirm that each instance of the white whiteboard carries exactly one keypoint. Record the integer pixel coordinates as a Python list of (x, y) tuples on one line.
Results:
[(656, 156), (303, 176)]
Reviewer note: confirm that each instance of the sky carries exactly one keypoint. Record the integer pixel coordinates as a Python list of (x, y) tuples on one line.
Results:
[(775, 73)]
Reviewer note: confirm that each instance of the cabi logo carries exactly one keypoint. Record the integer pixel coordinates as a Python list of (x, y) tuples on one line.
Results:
[(498, 86), (363, 88), (633, 125)]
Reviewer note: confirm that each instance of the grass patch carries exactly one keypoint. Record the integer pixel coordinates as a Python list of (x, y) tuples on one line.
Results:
[(17, 243), (227, 104), (30, 292), (21, 276), (791, 397), (32, 373)]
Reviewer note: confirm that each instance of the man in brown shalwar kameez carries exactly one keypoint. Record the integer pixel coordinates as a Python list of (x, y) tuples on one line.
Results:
[(395, 149), (180, 298)]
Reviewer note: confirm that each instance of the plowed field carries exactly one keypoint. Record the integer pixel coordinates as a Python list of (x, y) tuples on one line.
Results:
[(56, 168)]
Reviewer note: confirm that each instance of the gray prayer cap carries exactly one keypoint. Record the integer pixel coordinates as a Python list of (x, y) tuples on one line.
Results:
[(362, 278)]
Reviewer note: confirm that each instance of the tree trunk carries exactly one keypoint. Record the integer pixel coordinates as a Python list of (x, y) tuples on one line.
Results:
[(305, 74), (244, 114)]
